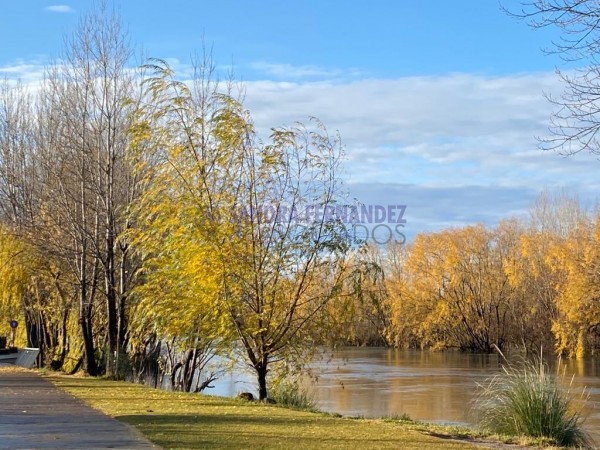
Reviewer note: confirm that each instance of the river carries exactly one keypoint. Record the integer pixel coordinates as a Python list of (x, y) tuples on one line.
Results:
[(431, 386)]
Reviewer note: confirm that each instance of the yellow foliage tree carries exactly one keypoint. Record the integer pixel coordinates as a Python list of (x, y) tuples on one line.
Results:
[(15, 276), (454, 291), (28, 295), (224, 251), (577, 259)]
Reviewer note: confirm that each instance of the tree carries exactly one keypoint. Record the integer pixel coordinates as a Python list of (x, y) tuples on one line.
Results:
[(577, 258), (82, 140), (22, 180), (218, 226), (454, 291), (16, 266), (360, 314), (18, 173), (535, 287), (554, 216), (576, 121)]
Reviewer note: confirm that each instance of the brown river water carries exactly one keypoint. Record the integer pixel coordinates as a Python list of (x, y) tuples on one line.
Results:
[(431, 386)]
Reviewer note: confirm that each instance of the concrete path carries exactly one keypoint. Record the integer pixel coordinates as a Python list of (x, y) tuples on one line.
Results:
[(35, 414)]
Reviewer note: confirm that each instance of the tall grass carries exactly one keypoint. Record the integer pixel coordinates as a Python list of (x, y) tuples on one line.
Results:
[(528, 400), (293, 394)]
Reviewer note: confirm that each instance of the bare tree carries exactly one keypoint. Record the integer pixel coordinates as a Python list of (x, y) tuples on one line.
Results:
[(84, 113), (18, 184), (18, 173), (575, 122)]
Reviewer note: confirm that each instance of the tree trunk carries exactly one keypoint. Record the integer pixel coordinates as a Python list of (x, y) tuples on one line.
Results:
[(32, 330), (85, 322), (261, 373), (111, 306), (189, 370), (91, 367), (109, 267), (77, 366), (174, 370), (57, 364), (121, 302)]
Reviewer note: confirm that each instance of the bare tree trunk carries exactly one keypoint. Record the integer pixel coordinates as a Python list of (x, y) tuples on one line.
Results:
[(111, 305), (261, 374)]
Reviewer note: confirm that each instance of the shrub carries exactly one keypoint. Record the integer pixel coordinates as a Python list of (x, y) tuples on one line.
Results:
[(529, 400), (292, 394)]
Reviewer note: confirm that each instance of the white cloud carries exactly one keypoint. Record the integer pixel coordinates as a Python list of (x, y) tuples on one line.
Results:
[(424, 138), (29, 73), (292, 72), (456, 149), (59, 9), (411, 110)]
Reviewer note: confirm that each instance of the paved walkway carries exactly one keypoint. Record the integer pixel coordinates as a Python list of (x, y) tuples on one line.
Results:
[(35, 414)]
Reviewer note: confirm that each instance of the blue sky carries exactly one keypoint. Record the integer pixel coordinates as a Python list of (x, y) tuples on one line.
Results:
[(379, 39), (438, 102)]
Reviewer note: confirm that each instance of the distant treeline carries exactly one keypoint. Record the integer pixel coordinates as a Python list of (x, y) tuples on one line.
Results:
[(523, 284)]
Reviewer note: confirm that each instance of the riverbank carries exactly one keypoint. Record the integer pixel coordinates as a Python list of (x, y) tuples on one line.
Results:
[(180, 420)]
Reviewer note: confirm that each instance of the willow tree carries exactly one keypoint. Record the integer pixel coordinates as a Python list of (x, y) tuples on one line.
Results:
[(16, 266), (276, 290), (19, 183), (553, 218), (28, 294), (236, 233), (360, 315), (454, 291), (576, 260)]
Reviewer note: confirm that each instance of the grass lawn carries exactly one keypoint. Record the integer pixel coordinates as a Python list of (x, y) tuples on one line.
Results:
[(179, 420)]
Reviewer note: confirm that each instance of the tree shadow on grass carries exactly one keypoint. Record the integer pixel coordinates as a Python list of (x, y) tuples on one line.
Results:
[(240, 431)]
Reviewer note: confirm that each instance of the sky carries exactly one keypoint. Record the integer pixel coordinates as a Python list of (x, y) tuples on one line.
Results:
[(438, 103)]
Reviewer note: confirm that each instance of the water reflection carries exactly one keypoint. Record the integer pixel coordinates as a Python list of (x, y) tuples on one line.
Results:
[(425, 385), (431, 386)]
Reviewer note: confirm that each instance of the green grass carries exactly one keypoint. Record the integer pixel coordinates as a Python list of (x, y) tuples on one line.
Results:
[(528, 400), (180, 420)]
